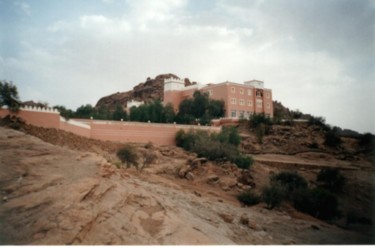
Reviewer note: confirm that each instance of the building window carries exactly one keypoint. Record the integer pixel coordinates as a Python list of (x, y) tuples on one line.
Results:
[(233, 114), (233, 90), (242, 102), (241, 91), (249, 92), (268, 106), (242, 113), (267, 95), (259, 94), (233, 101), (259, 105), (250, 103), (249, 114)]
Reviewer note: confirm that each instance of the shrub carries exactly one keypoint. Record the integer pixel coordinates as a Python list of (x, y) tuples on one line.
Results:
[(216, 147), (291, 181), (229, 135), (148, 157), (332, 139), (249, 198), (318, 202), (243, 161), (258, 119), (325, 204), (320, 121), (127, 154), (303, 200), (273, 195), (331, 179), (367, 140)]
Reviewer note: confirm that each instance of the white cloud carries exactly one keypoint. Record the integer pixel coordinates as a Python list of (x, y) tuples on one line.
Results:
[(80, 60)]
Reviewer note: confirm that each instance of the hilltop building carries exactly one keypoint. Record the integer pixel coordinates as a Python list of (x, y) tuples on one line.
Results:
[(241, 100)]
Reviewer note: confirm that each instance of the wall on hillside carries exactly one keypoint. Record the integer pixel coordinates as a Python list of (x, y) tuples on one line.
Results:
[(162, 134), (136, 132), (43, 117), (75, 127)]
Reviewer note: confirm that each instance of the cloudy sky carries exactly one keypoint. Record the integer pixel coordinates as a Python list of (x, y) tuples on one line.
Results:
[(317, 56)]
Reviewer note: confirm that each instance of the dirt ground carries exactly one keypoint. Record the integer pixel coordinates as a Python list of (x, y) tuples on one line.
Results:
[(66, 190)]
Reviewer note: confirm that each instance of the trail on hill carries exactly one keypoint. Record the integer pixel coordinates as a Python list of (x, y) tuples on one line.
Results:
[(53, 195)]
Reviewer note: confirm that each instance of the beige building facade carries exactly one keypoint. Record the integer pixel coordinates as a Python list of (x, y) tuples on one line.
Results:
[(240, 100)]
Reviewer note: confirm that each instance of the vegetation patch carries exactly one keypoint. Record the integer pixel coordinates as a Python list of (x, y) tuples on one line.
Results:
[(221, 146), (249, 198)]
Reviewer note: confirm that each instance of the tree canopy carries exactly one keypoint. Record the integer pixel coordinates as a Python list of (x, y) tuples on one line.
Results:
[(9, 96)]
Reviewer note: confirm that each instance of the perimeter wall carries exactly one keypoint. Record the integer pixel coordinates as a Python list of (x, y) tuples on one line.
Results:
[(136, 132)]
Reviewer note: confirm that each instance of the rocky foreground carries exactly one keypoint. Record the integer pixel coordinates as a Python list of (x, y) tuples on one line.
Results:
[(53, 195)]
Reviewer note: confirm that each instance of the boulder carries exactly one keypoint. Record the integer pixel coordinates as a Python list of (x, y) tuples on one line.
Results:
[(212, 179), (197, 162), (227, 217), (190, 176), (183, 171)]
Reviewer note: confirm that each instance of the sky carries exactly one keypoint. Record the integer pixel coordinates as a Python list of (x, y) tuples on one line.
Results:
[(316, 56)]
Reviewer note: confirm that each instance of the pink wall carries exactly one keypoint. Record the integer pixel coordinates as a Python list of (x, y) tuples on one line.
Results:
[(136, 132), (78, 130), (162, 134), (37, 118)]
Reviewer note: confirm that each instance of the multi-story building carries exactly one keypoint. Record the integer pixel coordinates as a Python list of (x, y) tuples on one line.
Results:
[(241, 100)]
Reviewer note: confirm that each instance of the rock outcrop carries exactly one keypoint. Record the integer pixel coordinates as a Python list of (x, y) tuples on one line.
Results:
[(151, 89)]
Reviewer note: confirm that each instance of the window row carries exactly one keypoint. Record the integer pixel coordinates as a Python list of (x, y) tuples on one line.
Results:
[(243, 114), (233, 101)]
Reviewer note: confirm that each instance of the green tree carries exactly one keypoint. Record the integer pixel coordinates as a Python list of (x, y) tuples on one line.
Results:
[(9, 96), (119, 113), (201, 108), (169, 114), (216, 108), (64, 112), (102, 113), (84, 111)]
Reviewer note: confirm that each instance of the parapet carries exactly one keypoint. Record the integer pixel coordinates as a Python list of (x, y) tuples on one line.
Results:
[(173, 84), (255, 83), (174, 80), (39, 109)]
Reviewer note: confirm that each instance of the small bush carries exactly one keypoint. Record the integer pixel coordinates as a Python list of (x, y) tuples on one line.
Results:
[(127, 154), (258, 119), (319, 121), (367, 140), (332, 139), (318, 202), (290, 180), (243, 162), (303, 201), (313, 145), (249, 198), (273, 195), (331, 179), (149, 145)]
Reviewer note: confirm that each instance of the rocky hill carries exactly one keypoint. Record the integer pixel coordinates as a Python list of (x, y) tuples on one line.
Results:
[(147, 91), (68, 191)]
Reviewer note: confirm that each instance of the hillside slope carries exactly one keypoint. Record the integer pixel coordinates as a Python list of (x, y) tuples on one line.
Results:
[(53, 195)]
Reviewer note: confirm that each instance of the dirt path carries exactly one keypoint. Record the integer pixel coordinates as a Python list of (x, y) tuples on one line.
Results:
[(56, 196)]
